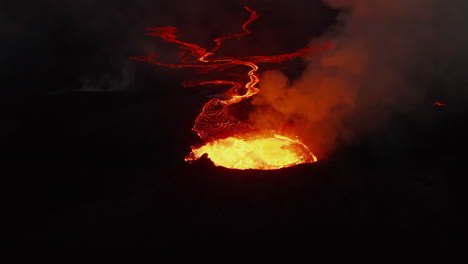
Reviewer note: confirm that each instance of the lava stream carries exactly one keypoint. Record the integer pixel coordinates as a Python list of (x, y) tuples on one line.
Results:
[(227, 143)]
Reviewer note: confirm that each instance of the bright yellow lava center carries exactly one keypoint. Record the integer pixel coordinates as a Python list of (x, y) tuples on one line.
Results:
[(261, 153)]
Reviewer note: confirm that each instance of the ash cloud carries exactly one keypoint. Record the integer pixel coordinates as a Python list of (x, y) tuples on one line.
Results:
[(390, 58)]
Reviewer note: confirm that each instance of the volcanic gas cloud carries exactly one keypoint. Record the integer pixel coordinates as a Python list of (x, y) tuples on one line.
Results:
[(229, 141)]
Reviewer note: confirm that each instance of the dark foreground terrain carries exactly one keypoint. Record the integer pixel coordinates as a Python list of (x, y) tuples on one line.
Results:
[(91, 171)]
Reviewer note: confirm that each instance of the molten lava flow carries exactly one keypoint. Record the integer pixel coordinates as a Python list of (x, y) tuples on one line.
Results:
[(261, 153), (225, 135)]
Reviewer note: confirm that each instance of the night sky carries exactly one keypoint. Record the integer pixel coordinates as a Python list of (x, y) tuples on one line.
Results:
[(93, 142)]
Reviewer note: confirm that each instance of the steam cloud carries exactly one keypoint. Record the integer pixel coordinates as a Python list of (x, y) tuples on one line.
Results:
[(390, 57)]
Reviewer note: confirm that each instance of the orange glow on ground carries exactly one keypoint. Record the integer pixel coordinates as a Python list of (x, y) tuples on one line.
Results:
[(261, 152), (439, 104)]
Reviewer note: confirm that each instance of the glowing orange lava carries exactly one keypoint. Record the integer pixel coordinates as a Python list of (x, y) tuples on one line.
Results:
[(260, 152), (227, 143)]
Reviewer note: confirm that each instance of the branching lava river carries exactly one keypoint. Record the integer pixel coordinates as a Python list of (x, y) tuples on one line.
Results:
[(229, 141)]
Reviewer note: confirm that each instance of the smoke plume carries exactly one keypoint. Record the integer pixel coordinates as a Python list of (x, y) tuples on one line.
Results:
[(390, 57)]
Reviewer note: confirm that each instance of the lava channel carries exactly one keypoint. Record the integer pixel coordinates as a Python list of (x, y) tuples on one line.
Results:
[(230, 142)]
